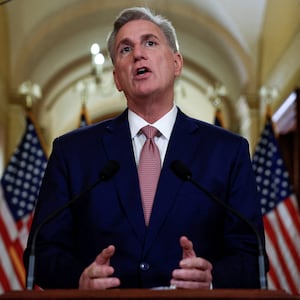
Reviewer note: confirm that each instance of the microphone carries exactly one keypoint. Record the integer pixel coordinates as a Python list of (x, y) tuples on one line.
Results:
[(185, 174), (108, 171)]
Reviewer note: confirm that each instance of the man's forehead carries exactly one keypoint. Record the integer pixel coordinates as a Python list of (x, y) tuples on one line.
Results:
[(137, 29)]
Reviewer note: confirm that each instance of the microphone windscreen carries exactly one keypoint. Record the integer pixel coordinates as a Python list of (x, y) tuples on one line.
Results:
[(109, 170), (180, 170)]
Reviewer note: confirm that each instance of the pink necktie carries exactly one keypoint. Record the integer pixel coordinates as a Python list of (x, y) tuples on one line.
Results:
[(149, 169)]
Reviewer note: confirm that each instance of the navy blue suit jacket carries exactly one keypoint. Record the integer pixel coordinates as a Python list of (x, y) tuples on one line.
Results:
[(112, 212)]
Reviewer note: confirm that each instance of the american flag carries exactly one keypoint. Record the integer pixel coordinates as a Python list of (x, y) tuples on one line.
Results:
[(19, 189), (280, 213)]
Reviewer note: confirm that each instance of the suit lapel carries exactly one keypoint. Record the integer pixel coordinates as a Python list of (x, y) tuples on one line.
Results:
[(118, 146), (182, 145)]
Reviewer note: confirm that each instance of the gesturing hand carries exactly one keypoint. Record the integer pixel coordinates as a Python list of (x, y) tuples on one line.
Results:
[(96, 275), (194, 272)]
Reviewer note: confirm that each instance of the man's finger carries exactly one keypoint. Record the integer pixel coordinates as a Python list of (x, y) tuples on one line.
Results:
[(99, 271), (187, 247), (198, 263), (104, 257)]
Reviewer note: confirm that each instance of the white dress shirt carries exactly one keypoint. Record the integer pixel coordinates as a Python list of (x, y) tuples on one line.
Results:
[(164, 125)]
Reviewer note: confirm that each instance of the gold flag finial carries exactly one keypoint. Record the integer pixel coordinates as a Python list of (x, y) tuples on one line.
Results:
[(267, 95)]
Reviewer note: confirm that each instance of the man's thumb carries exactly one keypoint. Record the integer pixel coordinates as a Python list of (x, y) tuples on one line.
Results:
[(104, 257), (187, 247)]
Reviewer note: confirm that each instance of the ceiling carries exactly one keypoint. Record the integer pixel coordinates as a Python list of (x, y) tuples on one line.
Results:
[(241, 44)]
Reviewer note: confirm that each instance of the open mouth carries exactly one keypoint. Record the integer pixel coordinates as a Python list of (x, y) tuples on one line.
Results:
[(141, 71)]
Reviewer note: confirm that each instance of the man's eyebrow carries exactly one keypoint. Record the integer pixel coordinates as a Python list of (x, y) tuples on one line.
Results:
[(128, 41), (148, 36)]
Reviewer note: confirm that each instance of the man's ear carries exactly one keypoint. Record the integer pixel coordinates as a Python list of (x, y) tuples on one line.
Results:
[(178, 63), (117, 83)]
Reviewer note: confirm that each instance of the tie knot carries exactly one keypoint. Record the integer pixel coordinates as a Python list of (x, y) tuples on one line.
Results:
[(150, 132)]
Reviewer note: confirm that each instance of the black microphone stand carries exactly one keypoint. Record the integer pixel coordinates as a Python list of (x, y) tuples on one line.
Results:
[(108, 171), (184, 173)]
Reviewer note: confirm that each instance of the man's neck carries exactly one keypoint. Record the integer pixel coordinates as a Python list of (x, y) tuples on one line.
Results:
[(151, 110)]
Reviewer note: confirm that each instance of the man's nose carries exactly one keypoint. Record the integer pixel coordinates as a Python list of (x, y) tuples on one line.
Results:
[(139, 53)]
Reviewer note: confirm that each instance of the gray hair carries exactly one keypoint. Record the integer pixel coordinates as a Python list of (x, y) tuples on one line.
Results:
[(142, 13)]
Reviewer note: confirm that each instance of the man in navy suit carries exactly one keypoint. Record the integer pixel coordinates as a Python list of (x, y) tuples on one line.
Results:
[(102, 241)]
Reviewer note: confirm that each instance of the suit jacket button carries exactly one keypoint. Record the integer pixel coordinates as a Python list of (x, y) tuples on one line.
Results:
[(144, 266)]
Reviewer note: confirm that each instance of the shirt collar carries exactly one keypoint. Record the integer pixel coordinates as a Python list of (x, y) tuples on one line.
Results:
[(164, 124)]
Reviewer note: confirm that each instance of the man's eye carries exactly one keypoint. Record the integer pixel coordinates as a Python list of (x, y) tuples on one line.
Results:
[(150, 43), (125, 49)]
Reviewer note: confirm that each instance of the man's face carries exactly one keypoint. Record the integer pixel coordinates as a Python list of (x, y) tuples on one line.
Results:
[(145, 65)]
